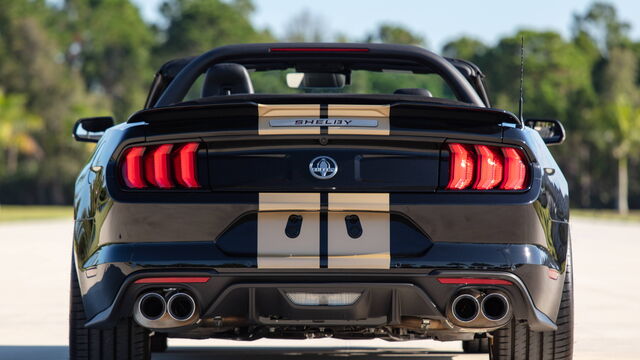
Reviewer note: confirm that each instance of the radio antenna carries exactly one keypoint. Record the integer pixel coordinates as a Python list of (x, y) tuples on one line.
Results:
[(521, 102)]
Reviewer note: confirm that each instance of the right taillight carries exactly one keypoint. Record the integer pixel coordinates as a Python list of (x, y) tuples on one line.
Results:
[(486, 167), (165, 166)]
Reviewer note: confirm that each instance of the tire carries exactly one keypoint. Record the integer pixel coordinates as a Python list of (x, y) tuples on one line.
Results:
[(158, 342), (476, 346), (126, 341), (516, 342)]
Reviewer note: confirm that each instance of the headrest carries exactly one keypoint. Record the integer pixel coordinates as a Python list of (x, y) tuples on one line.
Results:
[(227, 79)]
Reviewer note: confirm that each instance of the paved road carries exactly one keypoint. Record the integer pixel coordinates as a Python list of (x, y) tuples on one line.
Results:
[(34, 270)]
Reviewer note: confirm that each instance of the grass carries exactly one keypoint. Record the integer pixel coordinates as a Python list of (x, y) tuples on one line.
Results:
[(19, 212), (606, 214)]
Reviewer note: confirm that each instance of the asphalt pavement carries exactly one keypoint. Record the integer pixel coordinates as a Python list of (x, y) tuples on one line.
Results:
[(34, 275)]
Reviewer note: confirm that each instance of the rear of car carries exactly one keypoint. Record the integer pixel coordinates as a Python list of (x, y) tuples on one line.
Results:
[(242, 215)]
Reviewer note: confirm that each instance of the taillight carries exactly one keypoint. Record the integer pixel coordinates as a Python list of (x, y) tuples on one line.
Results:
[(515, 174), (489, 172), (461, 166), (165, 166), (132, 167), (484, 167)]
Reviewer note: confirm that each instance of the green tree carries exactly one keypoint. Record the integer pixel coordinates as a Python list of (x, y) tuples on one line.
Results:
[(465, 48), (111, 44), (395, 34), (195, 26), (618, 116), (17, 127)]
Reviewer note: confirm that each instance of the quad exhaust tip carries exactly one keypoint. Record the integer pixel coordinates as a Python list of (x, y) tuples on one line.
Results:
[(465, 308), (495, 307), (152, 306), (181, 306)]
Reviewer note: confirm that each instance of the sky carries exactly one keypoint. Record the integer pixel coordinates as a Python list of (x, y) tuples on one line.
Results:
[(437, 21)]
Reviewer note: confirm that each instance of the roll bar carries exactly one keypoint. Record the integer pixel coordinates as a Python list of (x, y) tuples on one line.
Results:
[(181, 84)]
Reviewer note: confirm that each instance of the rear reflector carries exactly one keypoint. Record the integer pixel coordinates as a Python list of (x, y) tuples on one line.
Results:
[(163, 166), (486, 167), (167, 280), (461, 166), (473, 281), (132, 167)]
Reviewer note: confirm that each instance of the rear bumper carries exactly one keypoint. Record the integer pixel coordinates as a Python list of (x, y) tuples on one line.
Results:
[(237, 289)]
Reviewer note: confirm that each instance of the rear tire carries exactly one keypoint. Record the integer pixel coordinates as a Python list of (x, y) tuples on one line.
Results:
[(476, 346), (516, 342), (126, 341), (158, 342)]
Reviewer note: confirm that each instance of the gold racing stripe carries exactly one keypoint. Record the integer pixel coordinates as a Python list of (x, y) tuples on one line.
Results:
[(278, 112), (373, 112), (275, 249), (372, 250)]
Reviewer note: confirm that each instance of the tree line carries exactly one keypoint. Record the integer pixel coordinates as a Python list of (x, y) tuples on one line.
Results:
[(63, 60)]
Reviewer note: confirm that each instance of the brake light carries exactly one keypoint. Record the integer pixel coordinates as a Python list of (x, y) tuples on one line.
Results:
[(163, 166), (132, 167), (184, 163), (515, 174), (484, 167), (338, 50), (461, 166), (489, 172), (157, 167)]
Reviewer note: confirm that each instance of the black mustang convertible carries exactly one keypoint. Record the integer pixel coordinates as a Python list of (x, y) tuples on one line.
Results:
[(295, 191)]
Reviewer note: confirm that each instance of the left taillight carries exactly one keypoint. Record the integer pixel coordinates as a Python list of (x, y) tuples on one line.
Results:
[(164, 166)]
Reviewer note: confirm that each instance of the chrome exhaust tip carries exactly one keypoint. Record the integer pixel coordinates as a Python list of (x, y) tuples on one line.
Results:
[(151, 306), (465, 308), (495, 307), (181, 306)]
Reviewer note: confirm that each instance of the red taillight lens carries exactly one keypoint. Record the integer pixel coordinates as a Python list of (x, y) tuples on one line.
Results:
[(184, 164), (515, 174), (489, 172), (161, 166), (461, 166), (157, 167), (484, 167), (132, 167)]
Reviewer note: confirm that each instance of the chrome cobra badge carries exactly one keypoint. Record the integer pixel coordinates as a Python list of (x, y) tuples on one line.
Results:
[(323, 167)]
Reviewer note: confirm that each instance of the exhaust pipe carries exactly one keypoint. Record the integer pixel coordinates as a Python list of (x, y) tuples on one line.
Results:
[(465, 308), (181, 306), (495, 307), (152, 306)]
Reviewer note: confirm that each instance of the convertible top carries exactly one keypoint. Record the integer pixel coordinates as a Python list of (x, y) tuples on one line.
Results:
[(175, 77)]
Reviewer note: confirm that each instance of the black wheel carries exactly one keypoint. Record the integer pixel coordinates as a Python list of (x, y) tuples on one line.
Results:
[(158, 342), (476, 346), (126, 341), (515, 341)]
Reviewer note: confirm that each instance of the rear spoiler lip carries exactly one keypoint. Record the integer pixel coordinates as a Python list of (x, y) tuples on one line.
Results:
[(507, 119)]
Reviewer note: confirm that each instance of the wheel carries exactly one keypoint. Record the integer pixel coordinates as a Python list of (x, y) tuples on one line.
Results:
[(476, 346), (158, 342), (515, 341), (126, 341)]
